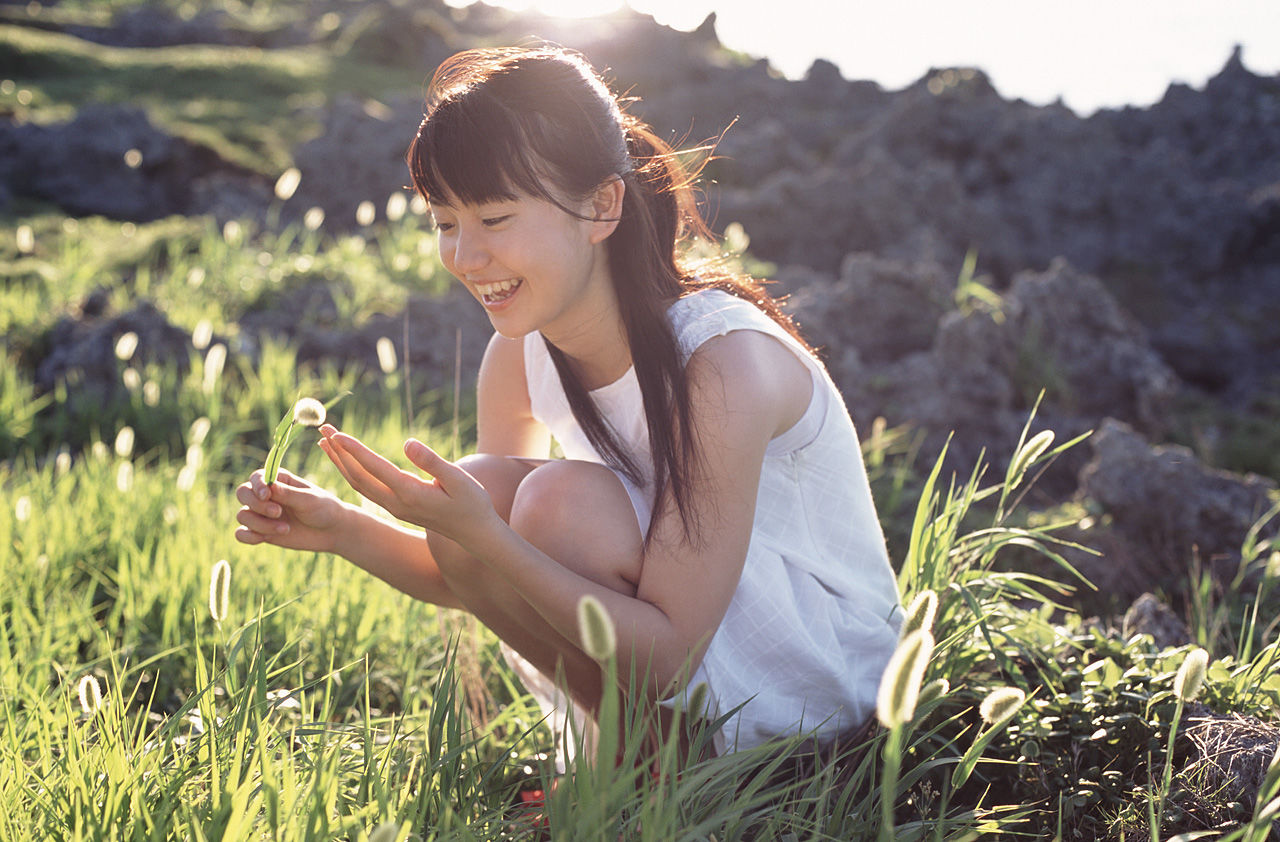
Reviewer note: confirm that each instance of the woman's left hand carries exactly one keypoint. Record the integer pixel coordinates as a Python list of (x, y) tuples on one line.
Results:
[(452, 503)]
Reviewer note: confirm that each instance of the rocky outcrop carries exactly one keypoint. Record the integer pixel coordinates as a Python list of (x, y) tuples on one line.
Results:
[(1158, 507), (80, 350), (901, 345), (109, 161), (435, 325)]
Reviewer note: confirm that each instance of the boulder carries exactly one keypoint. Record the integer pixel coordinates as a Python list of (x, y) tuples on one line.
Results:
[(110, 161), (978, 369), (80, 351), (1158, 508)]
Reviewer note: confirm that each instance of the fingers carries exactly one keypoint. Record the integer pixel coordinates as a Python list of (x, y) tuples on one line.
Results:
[(248, 536), (255, 497), (259, 525), (364, 470), (426, 458)]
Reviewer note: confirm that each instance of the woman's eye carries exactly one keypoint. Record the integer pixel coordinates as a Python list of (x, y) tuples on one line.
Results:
[(495, 220), (443, 227)]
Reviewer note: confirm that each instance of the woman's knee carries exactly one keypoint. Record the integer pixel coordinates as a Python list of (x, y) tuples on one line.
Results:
[(500, 476), (581, 515)]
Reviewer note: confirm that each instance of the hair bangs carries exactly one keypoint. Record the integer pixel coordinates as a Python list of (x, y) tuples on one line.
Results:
[(469, 151)]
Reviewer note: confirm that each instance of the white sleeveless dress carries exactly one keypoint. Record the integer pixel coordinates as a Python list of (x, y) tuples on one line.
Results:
[(816, 613)]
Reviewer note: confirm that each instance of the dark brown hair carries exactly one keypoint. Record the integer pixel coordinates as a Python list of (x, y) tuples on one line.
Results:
[(541, 122)]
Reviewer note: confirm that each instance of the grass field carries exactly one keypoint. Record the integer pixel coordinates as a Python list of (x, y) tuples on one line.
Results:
[(325, 704)]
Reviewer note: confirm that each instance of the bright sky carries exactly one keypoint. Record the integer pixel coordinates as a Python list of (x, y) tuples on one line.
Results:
[(1092, 53)]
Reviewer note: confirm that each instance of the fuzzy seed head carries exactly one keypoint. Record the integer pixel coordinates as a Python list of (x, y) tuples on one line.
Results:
[(124, 477), (1001, 704), (124, 442), (900, 685), (385, 832), (921, 613), (126, 345), (365, 213), (397, 205), (599, 639), (1030, 452), (199, 431), (697, 704), (313, 218), (219, 590), (1190, 677), (90, 693), (22, 509), (308, 412), (287, 183), (202, 334), (935, 689), (187, 478), (386, 355), (214, 360), (26, 239)]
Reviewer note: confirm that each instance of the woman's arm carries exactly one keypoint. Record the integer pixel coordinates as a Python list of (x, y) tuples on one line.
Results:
[(505, 425), (295, 514)]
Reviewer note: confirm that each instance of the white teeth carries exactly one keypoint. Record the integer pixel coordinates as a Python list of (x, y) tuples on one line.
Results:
[(487, 290)]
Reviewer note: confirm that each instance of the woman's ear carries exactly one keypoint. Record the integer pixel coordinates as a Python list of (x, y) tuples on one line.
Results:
[(606, 208)]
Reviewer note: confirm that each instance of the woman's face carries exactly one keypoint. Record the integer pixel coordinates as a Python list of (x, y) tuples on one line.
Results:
[(528, 262)]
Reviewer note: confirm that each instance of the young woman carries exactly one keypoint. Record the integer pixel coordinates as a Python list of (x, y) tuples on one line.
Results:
[(712, 496)]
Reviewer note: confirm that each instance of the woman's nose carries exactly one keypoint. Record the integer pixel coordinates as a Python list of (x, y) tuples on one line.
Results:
[(469, 253)]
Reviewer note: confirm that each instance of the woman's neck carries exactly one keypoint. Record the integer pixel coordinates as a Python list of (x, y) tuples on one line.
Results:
[(598, 354)]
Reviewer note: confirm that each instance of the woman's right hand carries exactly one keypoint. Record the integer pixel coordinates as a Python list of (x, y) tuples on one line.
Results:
[(290, 513)]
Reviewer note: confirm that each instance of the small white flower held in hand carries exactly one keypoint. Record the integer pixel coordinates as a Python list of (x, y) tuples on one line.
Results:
[(308, 412)]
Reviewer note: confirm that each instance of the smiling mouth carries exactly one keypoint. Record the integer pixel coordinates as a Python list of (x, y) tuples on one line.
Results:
[(493, 293)]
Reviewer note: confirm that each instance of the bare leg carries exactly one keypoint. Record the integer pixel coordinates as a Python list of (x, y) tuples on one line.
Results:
[(579, 514)]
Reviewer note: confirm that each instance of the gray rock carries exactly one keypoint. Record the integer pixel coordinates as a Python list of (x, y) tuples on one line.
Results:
[(1163, 508), (359, 157), (978, 371), (1148, 615), (80, 352), (110, 161)]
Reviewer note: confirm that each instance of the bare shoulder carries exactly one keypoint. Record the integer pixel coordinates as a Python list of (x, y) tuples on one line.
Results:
[(505, 353), (504, 421), (751, 371)]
